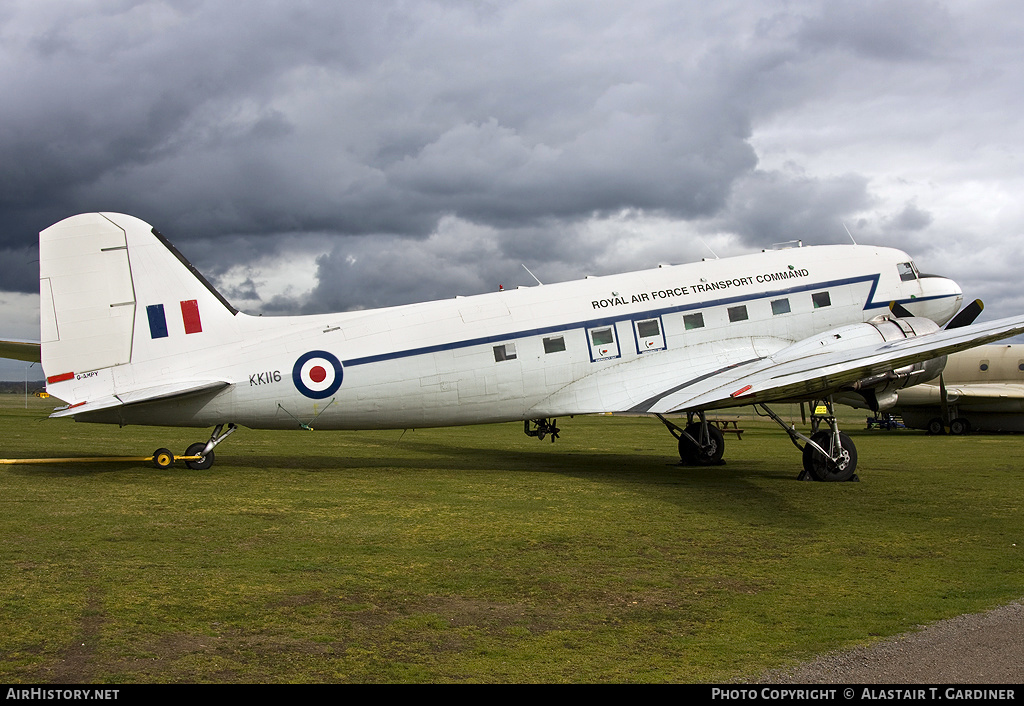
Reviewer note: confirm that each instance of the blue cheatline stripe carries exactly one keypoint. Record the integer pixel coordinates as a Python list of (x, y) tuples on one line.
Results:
[(157, 321), (873, 279), (609, 320)]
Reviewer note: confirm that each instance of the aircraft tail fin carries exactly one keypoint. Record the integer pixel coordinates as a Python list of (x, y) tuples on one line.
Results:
[(115, 295)]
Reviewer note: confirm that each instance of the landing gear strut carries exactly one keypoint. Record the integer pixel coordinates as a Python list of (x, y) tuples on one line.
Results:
[(204, 449), (700, 443), (828, 455), (541, 428)]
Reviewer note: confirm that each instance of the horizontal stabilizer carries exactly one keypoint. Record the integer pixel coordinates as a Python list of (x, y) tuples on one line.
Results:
[(149, 394), (20, 350)]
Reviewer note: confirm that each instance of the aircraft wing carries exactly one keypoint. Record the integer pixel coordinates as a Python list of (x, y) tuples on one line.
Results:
[(149, 394), (782, 377), (20, 350), (987, 391)]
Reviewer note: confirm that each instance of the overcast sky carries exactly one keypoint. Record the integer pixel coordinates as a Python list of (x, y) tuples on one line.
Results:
[(318, 156)]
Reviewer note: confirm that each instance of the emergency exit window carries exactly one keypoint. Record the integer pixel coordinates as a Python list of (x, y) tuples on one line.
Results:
[(647, 329), (649, 336), (603, 343)]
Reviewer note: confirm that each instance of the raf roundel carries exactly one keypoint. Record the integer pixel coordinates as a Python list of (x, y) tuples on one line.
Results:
[(317, 374)]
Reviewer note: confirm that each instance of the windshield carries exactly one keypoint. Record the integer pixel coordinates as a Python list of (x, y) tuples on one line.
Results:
[(907, 271)]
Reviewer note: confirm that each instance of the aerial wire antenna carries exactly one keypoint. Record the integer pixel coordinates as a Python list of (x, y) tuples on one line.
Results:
[(709, 248), (532, 275), (849, 234)]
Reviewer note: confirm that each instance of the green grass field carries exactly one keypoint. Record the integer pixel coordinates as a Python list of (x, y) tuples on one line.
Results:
[(477, 554)]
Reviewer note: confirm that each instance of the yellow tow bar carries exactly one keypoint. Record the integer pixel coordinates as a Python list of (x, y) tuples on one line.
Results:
[(161, 458)]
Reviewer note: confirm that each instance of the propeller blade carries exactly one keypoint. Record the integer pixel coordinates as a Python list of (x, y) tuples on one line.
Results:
[(967, 315), (943, 399), (899, 310)]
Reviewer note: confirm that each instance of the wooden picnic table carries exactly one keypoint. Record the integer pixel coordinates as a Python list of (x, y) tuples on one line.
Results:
[(728, 425)]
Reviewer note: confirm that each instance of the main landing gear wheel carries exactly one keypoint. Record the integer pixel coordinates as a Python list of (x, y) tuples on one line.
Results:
[(825, 469), (959, 427), (202, 463), (935, 427), (163, 458), (710, 450)]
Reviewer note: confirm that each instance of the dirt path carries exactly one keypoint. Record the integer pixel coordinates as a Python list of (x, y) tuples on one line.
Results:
[(983, 648)]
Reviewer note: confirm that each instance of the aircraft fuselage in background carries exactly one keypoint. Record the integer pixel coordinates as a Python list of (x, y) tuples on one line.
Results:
[(981, 389)]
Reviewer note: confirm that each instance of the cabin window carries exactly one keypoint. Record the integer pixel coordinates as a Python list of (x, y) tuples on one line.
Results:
[(603, 345), (649, 336), (692, 321), (983, 367), (738, 313), (821, 299), (505, 352), (555, 344), (907, 271), (780, 306)]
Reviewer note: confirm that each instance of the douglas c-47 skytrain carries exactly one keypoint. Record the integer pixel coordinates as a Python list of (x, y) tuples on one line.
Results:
[(131, 333)]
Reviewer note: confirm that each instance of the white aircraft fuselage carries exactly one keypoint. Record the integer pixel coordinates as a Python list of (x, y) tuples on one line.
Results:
[(602, 344), (131, 333)]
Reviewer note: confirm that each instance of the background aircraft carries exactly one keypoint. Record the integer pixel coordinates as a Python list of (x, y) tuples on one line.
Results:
[(131, 333), (981, 389)]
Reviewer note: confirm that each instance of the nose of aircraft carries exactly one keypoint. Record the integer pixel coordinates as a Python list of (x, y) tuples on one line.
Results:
[(939, 300)]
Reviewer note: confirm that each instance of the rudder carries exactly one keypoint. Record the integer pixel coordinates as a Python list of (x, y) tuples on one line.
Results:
[(86, 297), (115, 293)]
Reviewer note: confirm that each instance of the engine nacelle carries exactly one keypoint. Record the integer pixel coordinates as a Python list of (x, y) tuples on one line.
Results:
[(878, 391)]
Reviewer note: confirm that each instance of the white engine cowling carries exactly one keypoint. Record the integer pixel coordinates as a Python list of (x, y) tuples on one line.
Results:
[(878, 391)]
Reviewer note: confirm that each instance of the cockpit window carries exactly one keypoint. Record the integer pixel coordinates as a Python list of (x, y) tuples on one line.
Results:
[(907, 270)]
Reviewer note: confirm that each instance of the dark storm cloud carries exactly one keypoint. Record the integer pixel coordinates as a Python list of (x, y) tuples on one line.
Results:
[(429, 149), (911, 218), (355, 119), (775, 207), (19, 271), (881, 30), (106, 90)]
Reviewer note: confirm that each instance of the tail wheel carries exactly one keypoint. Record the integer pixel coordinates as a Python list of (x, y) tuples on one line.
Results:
[(163, 458), (709, 453), (825, 469), (202, 463)]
